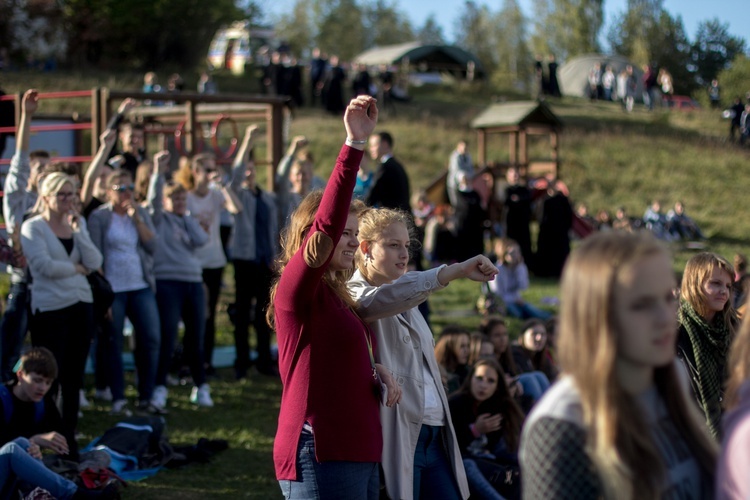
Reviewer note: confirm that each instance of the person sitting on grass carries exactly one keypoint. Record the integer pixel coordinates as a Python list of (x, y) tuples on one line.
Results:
[(21, 462), (512, 279), (26, 405), (531, 354), (452, 354), (179, 283)]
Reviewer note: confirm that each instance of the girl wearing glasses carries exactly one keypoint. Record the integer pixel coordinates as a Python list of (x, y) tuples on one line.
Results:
[(124, 233), (60, 254)]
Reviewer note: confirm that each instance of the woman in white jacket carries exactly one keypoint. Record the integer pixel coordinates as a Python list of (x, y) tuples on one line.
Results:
[(60, 255), (417, 435)]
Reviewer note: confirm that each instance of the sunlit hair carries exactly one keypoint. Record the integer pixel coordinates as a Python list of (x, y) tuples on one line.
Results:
[(505, 358), (697, 271), (292, 238), (503, 245), (39, 360), (184, 173), (53, 182), (739, 364), (447, 346), (626, 457), (174, 188), (71, 169), (142, 180), (372, 223), (502, 401)]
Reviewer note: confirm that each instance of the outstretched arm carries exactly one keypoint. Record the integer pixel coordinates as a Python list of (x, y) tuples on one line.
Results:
[(478, 268), (106, 143), (238, 167)]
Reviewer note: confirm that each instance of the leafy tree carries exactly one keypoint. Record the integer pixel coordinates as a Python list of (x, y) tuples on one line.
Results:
[(574, 26), (431, 33), (630, 33), (670, 49), (734, 79), (387, 26), (713, 50), (296, 28), (341, 30), (541, 41), (477, 34), (515, 63)]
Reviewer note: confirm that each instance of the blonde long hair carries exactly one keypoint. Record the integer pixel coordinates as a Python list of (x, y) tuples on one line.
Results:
[(292, 238), (697, 270), (372, 223), (739, 364), (616, 442)]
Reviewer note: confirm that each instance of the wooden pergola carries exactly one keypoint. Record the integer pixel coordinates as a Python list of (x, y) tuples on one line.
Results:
[(520, 120)]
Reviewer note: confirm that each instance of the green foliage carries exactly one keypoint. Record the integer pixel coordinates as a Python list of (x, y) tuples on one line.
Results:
[(341, 29), (713, 50), (431, 32), (296, 28), (477, 34), (735, 80), (387, 26), (514, 61), (573, 26)]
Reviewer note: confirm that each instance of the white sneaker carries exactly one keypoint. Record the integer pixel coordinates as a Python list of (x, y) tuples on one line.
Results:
[(201, 396), (159, 398), (82, 401), (120, 407), (103, 394)]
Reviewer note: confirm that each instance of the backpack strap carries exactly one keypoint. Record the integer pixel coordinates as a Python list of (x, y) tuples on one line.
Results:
[(7, 400)]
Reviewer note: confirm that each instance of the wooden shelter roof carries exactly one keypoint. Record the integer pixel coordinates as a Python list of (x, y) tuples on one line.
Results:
[(519, 113)]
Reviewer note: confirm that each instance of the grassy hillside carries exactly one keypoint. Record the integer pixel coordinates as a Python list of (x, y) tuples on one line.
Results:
[(609, 159)]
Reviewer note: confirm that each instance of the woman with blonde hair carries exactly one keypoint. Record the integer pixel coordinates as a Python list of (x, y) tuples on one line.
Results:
[(619, 423), (60, 255), (421, 458), (329, 442), (732, 481), (707, 324)]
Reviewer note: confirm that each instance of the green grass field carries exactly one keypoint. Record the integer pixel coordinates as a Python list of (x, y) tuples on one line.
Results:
[(609, 159)]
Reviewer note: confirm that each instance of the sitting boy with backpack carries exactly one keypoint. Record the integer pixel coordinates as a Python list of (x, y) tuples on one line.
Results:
[(29, 419)]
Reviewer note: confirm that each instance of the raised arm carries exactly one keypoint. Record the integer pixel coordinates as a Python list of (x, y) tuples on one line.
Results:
[(106, 142), (238, 167), (16, 182), (156, 185)]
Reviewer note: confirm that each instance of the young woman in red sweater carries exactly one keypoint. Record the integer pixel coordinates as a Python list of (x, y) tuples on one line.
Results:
[(331, 382)]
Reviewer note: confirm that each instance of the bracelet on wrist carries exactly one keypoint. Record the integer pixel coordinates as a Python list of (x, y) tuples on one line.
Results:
[(352, 142)]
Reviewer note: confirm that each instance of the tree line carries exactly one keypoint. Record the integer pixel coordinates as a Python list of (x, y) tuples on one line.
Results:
[(145, 34)]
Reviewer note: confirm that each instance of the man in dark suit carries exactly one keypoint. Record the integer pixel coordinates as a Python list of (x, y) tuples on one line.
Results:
[(390, 186)]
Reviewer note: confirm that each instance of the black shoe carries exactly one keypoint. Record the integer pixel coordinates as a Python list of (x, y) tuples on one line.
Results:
[(109, 492), (145, 409)]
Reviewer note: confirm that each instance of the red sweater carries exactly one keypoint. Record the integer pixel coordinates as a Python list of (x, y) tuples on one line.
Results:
[(323, 359)]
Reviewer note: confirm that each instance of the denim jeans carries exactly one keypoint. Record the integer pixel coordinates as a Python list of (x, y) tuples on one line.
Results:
[(13, 329), (480, 487), (526, 311), (534, 384), (433, 475), (186, 300), (140, 308), (17, 465), (330, 480)]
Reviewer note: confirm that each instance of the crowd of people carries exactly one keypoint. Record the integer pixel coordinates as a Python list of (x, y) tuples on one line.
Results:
[(630, 380)]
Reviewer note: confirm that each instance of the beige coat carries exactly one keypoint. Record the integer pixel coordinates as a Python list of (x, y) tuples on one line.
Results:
[(403, 341)]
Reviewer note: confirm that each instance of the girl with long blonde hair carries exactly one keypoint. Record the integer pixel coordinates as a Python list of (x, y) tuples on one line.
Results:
[(619, 423), (732, 480)]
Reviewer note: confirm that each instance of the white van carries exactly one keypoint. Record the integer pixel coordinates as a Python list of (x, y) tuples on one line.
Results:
[(233, 47)]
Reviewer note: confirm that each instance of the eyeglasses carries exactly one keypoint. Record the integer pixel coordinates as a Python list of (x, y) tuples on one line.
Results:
[(122, 188), (210, 170), (64, 195)]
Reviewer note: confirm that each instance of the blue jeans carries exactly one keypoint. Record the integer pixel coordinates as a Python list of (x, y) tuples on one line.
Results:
[(433, 475), (17, 465), (534, 384), (186, 300), (140, 308), (13, 329), (480, 487), (526, 311), (330, 480)]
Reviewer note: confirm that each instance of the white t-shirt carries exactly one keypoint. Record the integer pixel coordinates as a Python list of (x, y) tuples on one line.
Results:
[(122, 266), (207, 210)]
